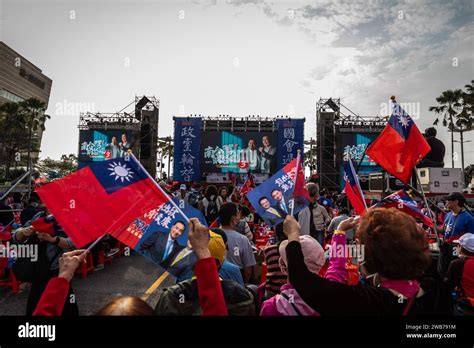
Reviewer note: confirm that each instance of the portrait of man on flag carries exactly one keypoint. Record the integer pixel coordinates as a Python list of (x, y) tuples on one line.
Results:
[(273, 200), (164, 233)]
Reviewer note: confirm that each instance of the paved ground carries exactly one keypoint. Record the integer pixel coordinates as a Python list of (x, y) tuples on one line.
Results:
[(132, 275)]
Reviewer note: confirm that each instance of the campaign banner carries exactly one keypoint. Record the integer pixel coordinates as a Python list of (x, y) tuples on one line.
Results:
[(290, 140), (187, 140), (273, 200), (354, 146), (238, 152), (161, 235), (100, 145)]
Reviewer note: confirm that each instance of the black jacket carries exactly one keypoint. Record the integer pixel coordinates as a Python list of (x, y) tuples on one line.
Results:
[(183, 299)]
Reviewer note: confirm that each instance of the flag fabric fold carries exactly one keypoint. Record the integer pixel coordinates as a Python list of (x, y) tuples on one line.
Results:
[(404, 202), (352, 188), (248, 185), (102, 198), (400, 146)]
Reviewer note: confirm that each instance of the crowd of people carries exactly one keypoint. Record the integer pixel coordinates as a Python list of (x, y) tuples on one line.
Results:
[(307, 269)]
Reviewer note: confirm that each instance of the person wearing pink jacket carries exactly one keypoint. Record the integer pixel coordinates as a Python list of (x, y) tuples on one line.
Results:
[(289, 302)]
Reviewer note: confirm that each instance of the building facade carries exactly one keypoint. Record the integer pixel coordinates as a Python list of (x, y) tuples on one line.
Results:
[(20, 80)]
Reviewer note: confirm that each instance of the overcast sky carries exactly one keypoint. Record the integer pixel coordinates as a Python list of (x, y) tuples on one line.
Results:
[(242, 57)]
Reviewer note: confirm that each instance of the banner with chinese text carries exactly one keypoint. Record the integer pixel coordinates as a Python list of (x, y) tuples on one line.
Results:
[(187, 140), (290, 139)]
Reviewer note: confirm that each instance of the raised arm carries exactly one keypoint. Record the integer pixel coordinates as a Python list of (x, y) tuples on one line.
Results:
[(324, 296), (211, 297)]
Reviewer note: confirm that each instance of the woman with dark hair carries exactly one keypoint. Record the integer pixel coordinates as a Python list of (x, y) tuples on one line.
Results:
[(395, 281), (223, 196)]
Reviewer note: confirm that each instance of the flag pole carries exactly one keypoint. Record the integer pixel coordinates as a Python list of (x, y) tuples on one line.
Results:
[(95, 243), (294, 181), (433, 218), (170, 200)]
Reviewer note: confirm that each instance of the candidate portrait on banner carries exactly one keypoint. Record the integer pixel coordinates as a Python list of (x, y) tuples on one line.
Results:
[(164, 239), (273, 199), (268, 156), (251, 157)]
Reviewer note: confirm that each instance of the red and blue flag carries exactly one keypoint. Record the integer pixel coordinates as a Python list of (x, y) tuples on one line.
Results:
[(352, 188), (275, 197), (400, 146), (404, 202), (101, 198)]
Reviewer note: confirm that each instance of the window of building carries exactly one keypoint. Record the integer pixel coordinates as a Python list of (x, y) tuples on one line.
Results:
[(10, 96)]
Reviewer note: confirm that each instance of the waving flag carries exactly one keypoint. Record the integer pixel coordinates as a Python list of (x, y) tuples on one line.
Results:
[(150, 234), (274, 198), (400, 146), (353, 189), (403, 201), (104, 197), (248, 185)]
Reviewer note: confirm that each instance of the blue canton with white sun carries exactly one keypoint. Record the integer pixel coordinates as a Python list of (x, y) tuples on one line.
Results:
[(401, 121), (117, 173)]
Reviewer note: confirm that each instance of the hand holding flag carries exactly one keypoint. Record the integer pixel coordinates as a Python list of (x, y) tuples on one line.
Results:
[(102, 198)]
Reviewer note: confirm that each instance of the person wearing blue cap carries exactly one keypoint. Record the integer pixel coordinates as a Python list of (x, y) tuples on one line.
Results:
[(456, 223)]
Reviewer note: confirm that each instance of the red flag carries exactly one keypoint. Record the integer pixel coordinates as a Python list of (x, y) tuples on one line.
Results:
[(300, 189), (400, 146), (44, 225), (215, 223), (104, 197), (352, 189), (248, 185), (404, 202)]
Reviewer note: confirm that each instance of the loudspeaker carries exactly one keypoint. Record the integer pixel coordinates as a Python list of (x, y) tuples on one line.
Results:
[(145, 141)]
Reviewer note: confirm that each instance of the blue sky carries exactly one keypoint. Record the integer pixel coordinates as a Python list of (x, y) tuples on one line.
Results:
[(242, 57)]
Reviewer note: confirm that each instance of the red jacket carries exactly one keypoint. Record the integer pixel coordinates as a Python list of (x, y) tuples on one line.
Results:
[(211, 297), (53, 298)]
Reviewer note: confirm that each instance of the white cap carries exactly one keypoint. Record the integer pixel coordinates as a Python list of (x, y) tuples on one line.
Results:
[(466, 241), (182, 187)]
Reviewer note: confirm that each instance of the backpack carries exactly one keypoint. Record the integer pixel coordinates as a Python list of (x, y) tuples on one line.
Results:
[(193, 200)]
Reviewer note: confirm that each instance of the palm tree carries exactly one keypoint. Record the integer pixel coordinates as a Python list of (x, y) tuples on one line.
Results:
[(33, 112), (449, 107), (167, 148), (465, 119), (11, 126)]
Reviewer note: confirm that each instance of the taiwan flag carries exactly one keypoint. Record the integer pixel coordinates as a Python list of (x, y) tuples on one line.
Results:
[(400, 146), (248, 185), (403, 201), (352, 189), (102, 198)]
